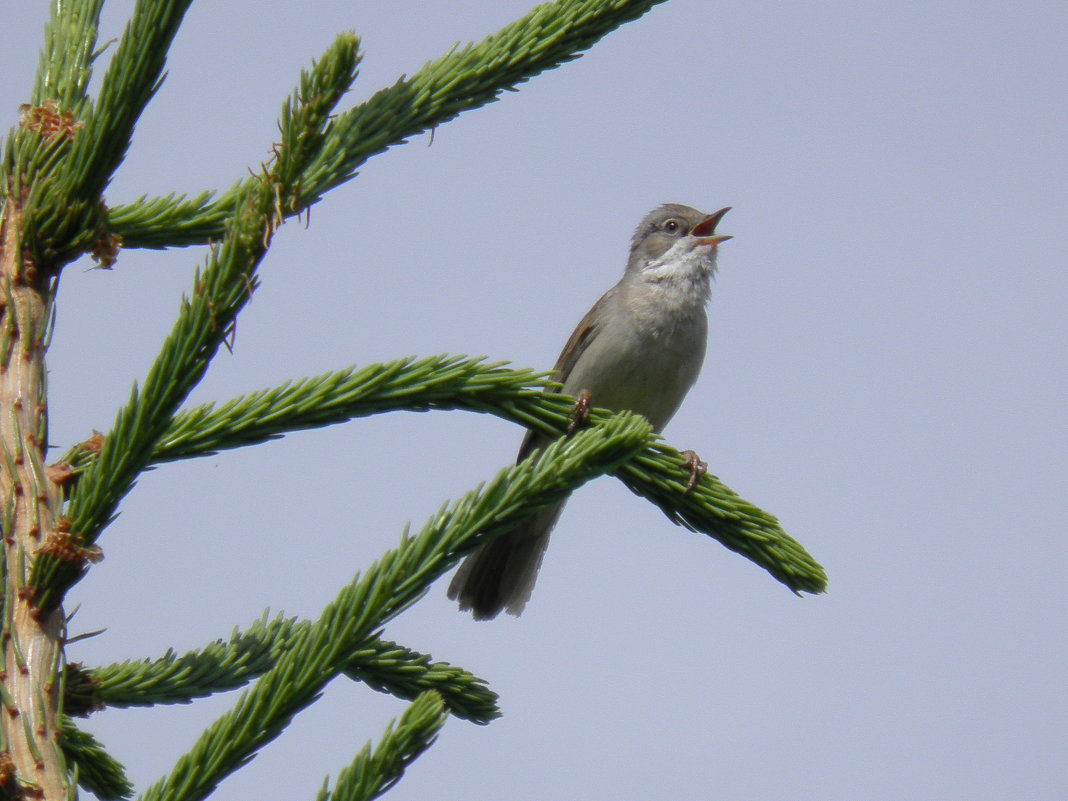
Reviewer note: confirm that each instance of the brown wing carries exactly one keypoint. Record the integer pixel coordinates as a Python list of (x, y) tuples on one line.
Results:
[(581, 338)]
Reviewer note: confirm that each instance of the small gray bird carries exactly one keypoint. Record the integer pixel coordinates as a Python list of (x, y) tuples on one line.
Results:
[(639, 348)]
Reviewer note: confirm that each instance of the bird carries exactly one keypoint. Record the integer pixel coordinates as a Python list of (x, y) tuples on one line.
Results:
[(639, 348)]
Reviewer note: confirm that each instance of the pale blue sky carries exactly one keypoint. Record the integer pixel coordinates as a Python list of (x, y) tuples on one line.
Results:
[(885, 373)]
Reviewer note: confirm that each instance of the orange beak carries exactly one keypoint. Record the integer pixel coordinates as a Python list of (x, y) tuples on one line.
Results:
[(705, 231)]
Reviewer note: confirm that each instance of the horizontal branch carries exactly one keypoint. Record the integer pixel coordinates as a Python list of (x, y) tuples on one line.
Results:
[(221, 666), (452, 382), (435, 382)]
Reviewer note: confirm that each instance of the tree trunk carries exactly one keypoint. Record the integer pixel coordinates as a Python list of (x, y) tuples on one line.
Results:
[(32, 638)]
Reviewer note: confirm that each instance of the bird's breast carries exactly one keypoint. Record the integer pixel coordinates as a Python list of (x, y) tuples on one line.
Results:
[(643, 360)]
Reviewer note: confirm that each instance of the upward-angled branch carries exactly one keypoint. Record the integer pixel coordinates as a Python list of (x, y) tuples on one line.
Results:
[(204, 321), (396, 581), (373, 772), (67, 58), (98, 772), (131, 79), (464, 79), (63, 209)]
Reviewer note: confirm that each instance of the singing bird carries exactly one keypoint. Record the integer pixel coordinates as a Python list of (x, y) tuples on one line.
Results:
[(639, 348)]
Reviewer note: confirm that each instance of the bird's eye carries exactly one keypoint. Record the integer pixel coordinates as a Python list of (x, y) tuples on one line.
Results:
[(671, 226)]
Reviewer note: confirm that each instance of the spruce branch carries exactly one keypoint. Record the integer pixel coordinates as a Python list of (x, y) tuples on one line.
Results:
[(306, 115), (465, 78), (435, 382), (66, 151), (391, 668), (171, 220), (97, 771), (451, 382), (304, 119), (53, 172), (392, 584), (454, 382), (373, 772), (132, 77), (178, 679), (220, 666), (205, 319), (66, 63), (712, 508)]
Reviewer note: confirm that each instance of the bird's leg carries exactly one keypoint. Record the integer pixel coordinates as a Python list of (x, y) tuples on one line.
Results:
[(580, 413), (697, 469)]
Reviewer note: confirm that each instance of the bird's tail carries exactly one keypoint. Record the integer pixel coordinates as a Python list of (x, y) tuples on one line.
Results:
[(500, 575)]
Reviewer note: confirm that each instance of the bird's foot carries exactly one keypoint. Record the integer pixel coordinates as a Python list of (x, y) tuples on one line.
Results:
[(580, 412), (697, 469)]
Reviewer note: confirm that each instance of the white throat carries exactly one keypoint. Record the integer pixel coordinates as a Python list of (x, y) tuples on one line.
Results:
[(685, 269)]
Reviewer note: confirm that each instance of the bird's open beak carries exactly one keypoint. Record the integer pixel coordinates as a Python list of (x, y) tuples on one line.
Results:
[(705, 231)]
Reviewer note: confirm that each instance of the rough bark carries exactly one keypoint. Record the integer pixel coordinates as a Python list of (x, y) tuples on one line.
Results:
[(32, 639)]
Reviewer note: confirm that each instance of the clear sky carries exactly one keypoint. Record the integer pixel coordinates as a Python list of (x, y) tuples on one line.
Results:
[(885, 372)]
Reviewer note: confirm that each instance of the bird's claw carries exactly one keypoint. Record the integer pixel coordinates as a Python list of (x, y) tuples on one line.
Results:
[(697, 469), (580, 413)]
